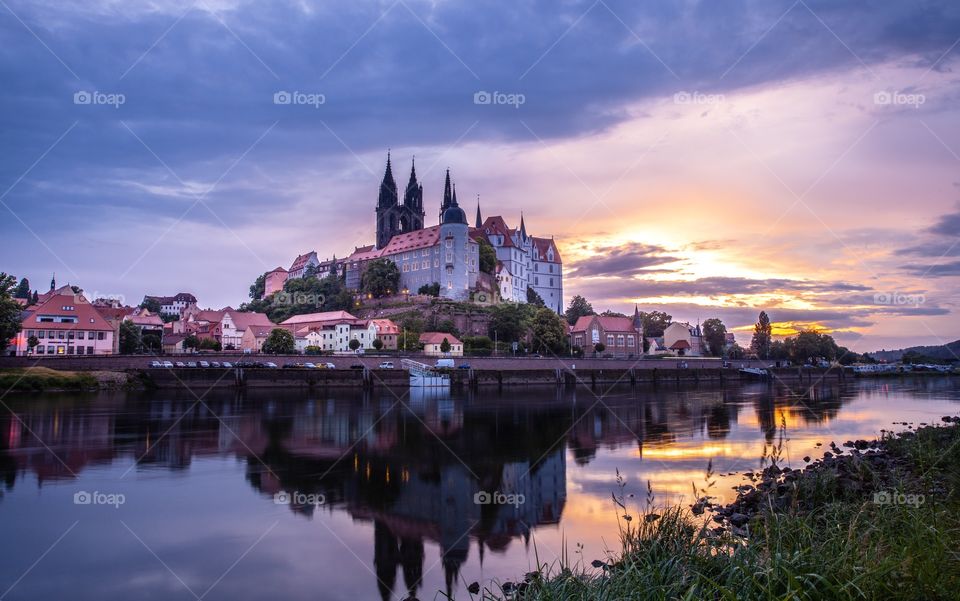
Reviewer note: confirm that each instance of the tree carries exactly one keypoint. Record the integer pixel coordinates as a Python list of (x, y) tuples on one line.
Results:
[(577, 309), (35, 299), (152, 342), (762, 331), (599, 347), (736, 352), (377, 344), (209, 344), (488, 257), (445, 346), (23, 289), (354, 344), (610, 313), (313, 350), (259, 287), (32, 343), (778, 351), (549, 331), (715, 335), (279, 342), (654, 323), (508, 321), (810, 345), (430, 289), (533, 298), (130, 341), (9, 311), (150, 304), (191, 342), (380, 278)]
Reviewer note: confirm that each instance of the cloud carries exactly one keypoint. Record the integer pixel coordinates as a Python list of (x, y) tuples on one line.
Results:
[(623, 260), (935, 270)]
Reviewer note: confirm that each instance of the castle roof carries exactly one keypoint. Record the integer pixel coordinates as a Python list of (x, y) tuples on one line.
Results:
[(542, 245), (495, 225), (301, 261), (416, 239)]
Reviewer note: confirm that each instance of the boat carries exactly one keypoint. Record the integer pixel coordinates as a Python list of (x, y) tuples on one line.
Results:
[(754, 372)]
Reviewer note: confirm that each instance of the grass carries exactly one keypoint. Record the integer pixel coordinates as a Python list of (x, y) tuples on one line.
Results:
[(830, 542), (35, 379)]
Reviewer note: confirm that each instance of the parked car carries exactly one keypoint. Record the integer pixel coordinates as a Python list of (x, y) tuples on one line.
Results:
[(445, 363), (327, 365), (191, 363), (289, 365), (309, 365), (156, 364), (214, 364), (270, 364), (463, 366), (168, 364), (386, 365), (179, 364), (226, 364), (204, 364)]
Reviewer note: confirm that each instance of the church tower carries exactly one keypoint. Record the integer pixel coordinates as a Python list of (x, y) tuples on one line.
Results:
[(393, 217)]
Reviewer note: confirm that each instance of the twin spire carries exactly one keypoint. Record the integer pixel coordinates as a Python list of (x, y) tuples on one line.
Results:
[(412, 196)]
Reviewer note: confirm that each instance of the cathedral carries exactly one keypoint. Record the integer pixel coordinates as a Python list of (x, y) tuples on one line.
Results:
[(448, 253)]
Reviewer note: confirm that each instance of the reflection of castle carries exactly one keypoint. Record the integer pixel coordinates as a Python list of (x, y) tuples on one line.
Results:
[(413, 474)]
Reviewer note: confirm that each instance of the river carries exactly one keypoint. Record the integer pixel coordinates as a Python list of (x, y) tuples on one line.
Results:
[(344, 495)]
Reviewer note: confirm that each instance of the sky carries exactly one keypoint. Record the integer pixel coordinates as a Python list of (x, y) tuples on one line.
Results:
[(703, 158)]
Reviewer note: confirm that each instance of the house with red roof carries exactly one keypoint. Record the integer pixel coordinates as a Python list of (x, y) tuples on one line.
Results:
[(620, 336), (433, 341), (64, 323), (332, 331)]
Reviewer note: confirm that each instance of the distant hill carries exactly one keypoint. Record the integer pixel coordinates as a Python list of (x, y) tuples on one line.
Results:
[(948, 352)]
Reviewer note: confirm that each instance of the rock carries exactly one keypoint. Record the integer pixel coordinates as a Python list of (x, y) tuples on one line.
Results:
[(474, 588), (739, 519), (862, 444), (806, 459)]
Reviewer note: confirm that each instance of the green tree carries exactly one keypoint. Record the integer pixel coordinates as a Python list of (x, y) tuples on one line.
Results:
[(378, 344), (445, 346), (762, 337), (810, 345), (279, 342), (736, 352), (313, 350), (259, 287), (655, 322), (610, 313), (191, 342), (549, 332), (577, 309), (487, 258), (152, 342), (508, 322), (23, 289), (209, 344), (599, 347), (150, 304), (715, 335), (380, 278), (354, 344), (130, 341), (9, 311), (35, 299), (430, 289), (777, 352), (32, 343), (533, 298)]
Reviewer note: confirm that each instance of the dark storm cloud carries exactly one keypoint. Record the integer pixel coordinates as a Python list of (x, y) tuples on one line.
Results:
[(934, 269), (948, 225), (203, 94), (624, 260), (943, 242)]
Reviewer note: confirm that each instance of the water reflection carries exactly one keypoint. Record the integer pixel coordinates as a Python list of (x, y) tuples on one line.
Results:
[(409, 468)]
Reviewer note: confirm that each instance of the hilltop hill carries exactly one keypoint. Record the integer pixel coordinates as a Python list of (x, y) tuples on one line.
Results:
[(947, 352)]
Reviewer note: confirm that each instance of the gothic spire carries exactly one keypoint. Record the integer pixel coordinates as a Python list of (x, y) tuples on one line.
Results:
[(523, 229), (454, 201), (412, 197), (53, 282), (388, 187), (479, 219), (447, 193), (637, 322)]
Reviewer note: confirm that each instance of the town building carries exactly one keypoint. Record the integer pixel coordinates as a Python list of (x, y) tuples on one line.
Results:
[(620, 336), (173, 306), (274, 280), (234, 326), (332, 331), (387, 332), (65, 323), (683, 340), (433, 341)]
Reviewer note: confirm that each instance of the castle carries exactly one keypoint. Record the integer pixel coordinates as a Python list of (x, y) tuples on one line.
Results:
[(447, 253)]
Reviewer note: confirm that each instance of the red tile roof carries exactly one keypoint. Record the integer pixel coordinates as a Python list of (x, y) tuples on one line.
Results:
[(245, 319), (607, 322), (64, 303), (326, 316), (437, 338), (542, 245), (680, 345), (495, 225), (385, 326), (301, 261)]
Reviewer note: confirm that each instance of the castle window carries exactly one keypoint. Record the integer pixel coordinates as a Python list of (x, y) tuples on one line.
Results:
[(436, 262), (620, 340), (449, 242), (425, 265)]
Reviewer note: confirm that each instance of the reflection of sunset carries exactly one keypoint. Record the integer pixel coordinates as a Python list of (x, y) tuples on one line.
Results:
[(685, 452)]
